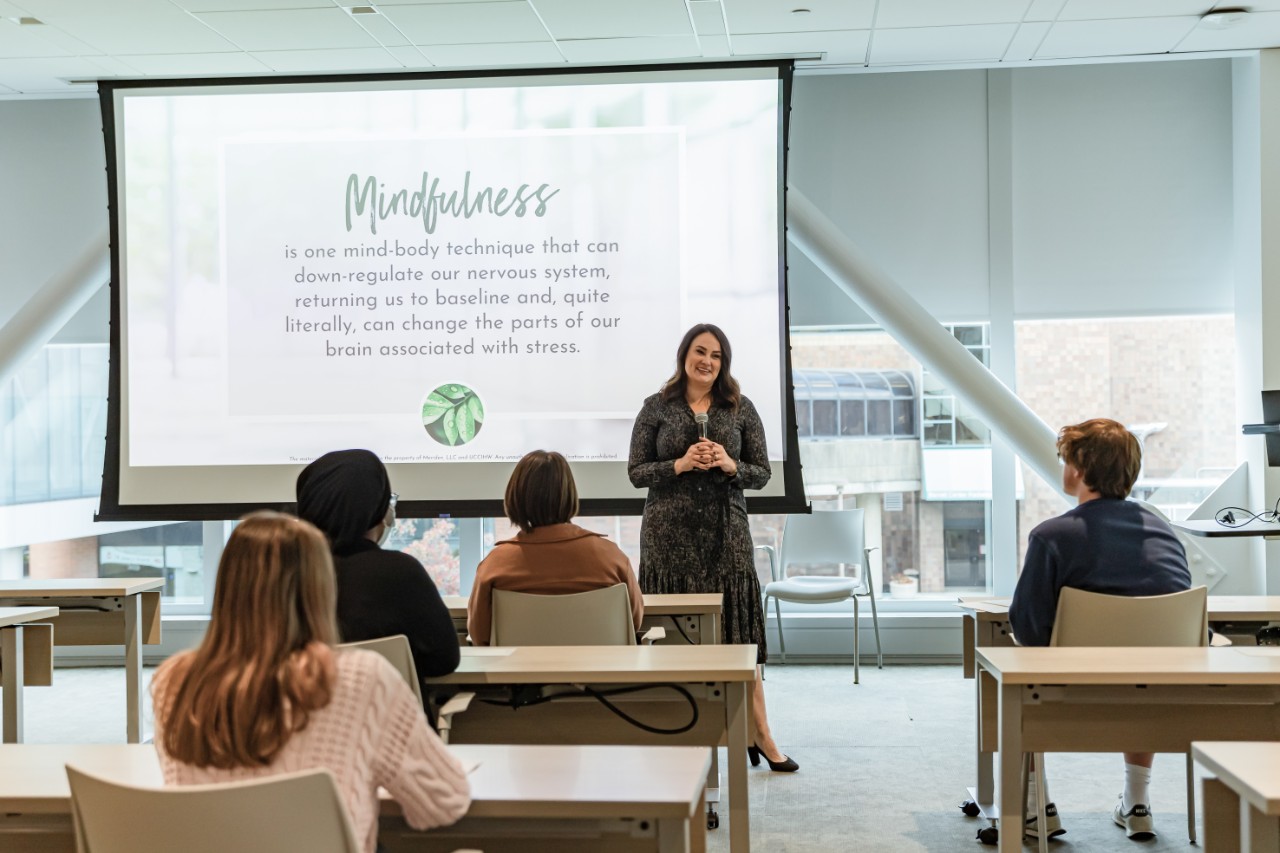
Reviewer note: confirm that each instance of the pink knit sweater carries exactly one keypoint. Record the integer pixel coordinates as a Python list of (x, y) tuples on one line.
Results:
[(372, 734)]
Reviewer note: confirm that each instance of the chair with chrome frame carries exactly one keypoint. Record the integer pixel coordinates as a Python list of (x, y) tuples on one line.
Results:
[(600, 617), (824, 538)]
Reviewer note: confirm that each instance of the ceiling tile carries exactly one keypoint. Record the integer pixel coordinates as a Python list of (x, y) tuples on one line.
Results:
[(1260, 29), (203, 64), (947, 13), (1026, 41), (410, 57), (941, 44), (47, 75), (338, 59), (467, 23), (114, 66), (44, 9), (63, 42), (291, 29), (1133, 36), (141, 29), (259, 5), (494, 55), (632, 49), (774, 16), (715, 45), (17, 41), (1090, 10), (1043, 10), (593, 19), (708, 18), (842, 47), (381, 28)]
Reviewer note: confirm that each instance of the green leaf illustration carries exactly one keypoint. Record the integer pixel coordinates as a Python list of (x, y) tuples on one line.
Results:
[(451, 426), (466, 424), (454, 392), (476, 409)]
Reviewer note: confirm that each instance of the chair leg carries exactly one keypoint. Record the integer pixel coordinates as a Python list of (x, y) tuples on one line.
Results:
[(1191, 799), (1042, 803), (875, 623), (857, 652), (782, 641)]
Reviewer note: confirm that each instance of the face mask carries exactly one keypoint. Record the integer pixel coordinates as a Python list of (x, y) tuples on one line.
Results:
[(388, 525)]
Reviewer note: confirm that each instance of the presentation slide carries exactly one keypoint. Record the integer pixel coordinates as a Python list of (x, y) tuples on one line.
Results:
[(448, 271)]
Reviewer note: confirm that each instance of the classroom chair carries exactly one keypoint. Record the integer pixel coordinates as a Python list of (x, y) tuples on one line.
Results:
[(292, 811), (601, 617), (396, 650), (824, 538), (1093, 619)]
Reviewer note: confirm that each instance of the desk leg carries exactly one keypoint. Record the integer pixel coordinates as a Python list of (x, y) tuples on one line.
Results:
[(739, 816), (11, 662), (698, 827), (673, 835), (969, 639), (1222, 817), (133, 667), (1011, 818), (985, 793), (1258, 832)]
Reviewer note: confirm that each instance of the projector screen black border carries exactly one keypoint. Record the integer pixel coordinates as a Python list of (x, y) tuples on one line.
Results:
[(111, 509)]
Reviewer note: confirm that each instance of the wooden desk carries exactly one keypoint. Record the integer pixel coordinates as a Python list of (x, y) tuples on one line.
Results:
[(525, 799), (106, 611), (26, 658), (689, 619), (1211, 529), (1113, 700), (719, 677), (1242, 804), (986, 620)]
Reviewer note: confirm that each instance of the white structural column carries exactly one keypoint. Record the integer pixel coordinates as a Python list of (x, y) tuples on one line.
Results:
[(50, 307), (1256, 192), (912, 326)]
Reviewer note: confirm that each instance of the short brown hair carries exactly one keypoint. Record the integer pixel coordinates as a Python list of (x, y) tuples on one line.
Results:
[(1106, 454), (266, 661), (541, 491)]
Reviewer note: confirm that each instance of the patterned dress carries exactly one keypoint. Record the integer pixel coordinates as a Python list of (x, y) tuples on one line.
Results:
[(695, 538)]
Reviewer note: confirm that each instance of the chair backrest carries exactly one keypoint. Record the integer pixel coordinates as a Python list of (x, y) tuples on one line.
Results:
[(1094, 619), (823, 536), (396, 650), (601, 617), (293, 811)]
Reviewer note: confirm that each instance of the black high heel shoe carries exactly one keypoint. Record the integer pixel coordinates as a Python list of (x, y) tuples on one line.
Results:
[(786, 765)]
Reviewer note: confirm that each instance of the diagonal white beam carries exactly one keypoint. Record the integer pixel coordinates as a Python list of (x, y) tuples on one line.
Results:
[(917, 330), (50, 307)]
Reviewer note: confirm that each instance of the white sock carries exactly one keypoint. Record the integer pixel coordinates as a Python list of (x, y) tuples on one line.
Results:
[(1137, 783)]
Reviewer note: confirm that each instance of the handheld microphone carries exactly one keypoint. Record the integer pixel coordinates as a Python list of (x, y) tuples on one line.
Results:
[(701, 420)]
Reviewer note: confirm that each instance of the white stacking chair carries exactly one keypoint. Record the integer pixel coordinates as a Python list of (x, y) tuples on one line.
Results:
[(601, 617), (292, 811), (1094, 619), (397, 651), (823, 538)]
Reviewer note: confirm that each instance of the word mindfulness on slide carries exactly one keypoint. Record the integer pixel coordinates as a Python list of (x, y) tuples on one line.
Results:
[(428, 201)]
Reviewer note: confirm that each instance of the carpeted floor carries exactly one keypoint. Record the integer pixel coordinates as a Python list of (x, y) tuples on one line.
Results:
[(884, 764)]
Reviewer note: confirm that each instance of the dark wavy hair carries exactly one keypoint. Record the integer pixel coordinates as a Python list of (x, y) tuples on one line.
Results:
[(725, 391)]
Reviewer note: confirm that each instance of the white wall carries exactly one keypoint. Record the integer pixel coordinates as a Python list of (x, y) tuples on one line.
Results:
[(1120, 177), (52, 169)]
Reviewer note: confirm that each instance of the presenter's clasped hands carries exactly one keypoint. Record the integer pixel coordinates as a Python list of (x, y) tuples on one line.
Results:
[(704, 456)]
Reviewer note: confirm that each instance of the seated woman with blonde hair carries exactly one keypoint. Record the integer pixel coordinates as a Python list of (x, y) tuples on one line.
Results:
[(266, 692), (550, 555)]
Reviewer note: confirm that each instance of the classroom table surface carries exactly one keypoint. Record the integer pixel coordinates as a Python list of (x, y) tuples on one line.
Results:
[(20, 615), (77, 587), (1221, 608), (602, 664), (1250, 769), (654, 605), (509, 781), (1149, 665), (1210, 528)]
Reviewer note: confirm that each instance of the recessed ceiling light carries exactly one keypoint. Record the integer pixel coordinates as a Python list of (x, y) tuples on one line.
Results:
[(362, 10), (800, 11), (28, 22), (1221, 19)]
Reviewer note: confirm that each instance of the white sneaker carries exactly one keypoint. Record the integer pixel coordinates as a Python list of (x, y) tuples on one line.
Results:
[(1137, 822), (1051, 822)]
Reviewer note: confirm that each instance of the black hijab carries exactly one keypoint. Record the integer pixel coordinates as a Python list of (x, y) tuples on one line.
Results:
[(344, 493)]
